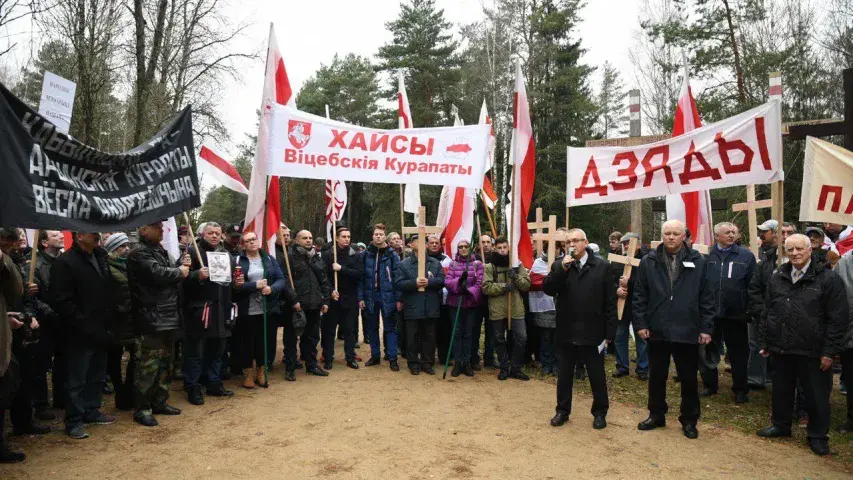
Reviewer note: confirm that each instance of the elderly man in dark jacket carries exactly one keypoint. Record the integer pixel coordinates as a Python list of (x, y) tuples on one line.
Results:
[(343, 310), (153, 284), (674, 311), (208, 319), (730, 269), (80, 293), (312, 297), (803, 327), (582, 286), (421, 309), (378, 295)]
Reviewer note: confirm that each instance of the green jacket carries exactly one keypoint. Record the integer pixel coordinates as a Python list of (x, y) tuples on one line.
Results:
[(494, 285)]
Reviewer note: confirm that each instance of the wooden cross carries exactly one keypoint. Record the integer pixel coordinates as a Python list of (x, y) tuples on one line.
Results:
[(703, 249), (540, 227), (630, 262), (422, 230), (552, 237), (751, 206)]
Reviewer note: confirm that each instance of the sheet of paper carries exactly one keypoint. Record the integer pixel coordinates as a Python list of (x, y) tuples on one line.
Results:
[(219, 266), (602, 346)]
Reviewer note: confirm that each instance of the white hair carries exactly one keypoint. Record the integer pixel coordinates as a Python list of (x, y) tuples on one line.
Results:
[(583, 234), (798, 237), (721, 226)]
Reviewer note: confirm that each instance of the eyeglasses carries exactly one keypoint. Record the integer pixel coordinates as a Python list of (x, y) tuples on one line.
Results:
[(250, 240), (577, 240), (466, 247)]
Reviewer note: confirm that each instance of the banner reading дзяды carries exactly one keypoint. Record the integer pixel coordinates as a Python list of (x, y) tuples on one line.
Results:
[(51, 180), (741, 150), (307, 146)]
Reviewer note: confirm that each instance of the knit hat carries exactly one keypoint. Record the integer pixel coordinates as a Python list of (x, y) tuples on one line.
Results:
[(116, 240)]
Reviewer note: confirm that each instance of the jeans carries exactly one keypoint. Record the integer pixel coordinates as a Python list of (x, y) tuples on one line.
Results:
[(489, 349), (310, 338), (548, 349), (623, 363), (519, 339), (203, 355), (462, 336), (86, 369), (756, 369), (388, 327), (686, 358)]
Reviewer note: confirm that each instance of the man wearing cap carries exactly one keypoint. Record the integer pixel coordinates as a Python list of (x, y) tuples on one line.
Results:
[(232, 239), (730, 269), (767, 235), (803, 328), (625, 289), (79, 292), (153, 283)]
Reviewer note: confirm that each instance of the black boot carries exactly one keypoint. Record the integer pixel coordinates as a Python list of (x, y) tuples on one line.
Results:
[(195, 396), (457, 369), (8, 456), (469, 370)]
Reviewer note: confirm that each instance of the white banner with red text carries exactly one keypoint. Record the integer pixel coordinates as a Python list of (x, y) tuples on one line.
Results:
[(827, 194), (741, 150), (308, 146)]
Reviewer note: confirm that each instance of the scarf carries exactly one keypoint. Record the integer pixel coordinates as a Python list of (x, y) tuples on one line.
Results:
[(308, 253), (499, 260)]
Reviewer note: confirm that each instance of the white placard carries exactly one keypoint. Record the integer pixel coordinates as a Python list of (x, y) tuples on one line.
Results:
[(57, 100), (219, 266)]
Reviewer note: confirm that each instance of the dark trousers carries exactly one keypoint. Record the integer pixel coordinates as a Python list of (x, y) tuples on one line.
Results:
[(310, 338), (510, 361), (847, 370), (123, 384), (43, 360), (548, 349), (59, 374), (489, 340), (251, 334), (401, 335), (203, 356), (420, 341), (443, 330), (462, 336), (288, 341), (686, 356), (816, 385), (86, 369), (594, 361), (734, 334), (347, 319), (21, 409)]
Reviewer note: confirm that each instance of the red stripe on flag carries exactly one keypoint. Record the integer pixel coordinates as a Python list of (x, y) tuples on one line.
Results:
[(283, 92), (221, 164), (67, 239), (407, 122), (526, 183)]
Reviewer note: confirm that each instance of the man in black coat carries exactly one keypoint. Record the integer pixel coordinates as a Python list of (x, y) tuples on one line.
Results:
[(80, 293), (674, 311), (51, 345), (208, 319), (154, 285), (803, 328), (582, 286), (312, 297), (343, 310), (730, 269)]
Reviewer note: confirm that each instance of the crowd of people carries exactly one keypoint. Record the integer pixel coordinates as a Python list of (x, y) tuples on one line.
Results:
[(115, 313)]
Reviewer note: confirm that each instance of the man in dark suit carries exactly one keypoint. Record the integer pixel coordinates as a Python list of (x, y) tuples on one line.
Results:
[(582, 286)]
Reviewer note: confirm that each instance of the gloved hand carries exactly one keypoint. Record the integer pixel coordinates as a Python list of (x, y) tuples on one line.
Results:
[(463, 287), (513, 273), (464, 276), (510, 287)]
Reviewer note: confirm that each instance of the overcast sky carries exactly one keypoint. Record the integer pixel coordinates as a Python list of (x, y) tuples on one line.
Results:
[(311, 32)]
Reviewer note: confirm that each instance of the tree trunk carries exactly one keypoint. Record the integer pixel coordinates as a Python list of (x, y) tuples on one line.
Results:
[(741, 93)]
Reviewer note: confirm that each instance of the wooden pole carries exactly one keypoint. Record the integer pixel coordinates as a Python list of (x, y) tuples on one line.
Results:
[(33, 255), (567, 218), (752, 220), (195, 243), (777, 194), (489, 216), (286, 258), (511, 239)]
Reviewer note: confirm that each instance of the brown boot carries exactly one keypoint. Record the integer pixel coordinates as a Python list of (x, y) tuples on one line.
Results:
[(247, 378), (260, 378)]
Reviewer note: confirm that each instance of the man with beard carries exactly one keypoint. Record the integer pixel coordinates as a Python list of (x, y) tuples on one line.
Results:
[(803, 328), (483, 253), (421, 309), (378, 295), (154, 284), (344, 308), (312, 297), (501, 283), (51, 346), (208, 320), (444, 326), (80, 293), (673, 311)]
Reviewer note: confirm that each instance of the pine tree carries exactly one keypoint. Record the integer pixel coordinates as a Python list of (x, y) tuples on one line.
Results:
[(612, 120)]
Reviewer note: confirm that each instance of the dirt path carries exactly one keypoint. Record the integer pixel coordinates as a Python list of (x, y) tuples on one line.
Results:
[(374, 423)]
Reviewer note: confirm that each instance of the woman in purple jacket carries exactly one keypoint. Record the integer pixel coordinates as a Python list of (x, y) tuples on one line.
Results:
[(463, 282)]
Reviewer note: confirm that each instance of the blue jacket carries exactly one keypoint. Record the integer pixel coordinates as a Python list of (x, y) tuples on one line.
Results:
[(386, 271), (729, 273), (275, 279)]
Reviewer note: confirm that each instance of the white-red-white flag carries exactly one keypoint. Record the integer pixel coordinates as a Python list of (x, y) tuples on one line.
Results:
[(412, 191), (170, 238), (488, 194), (456, 210), (221, 170), (523, 160), (262, 208), (336, 204), (692, 208)]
